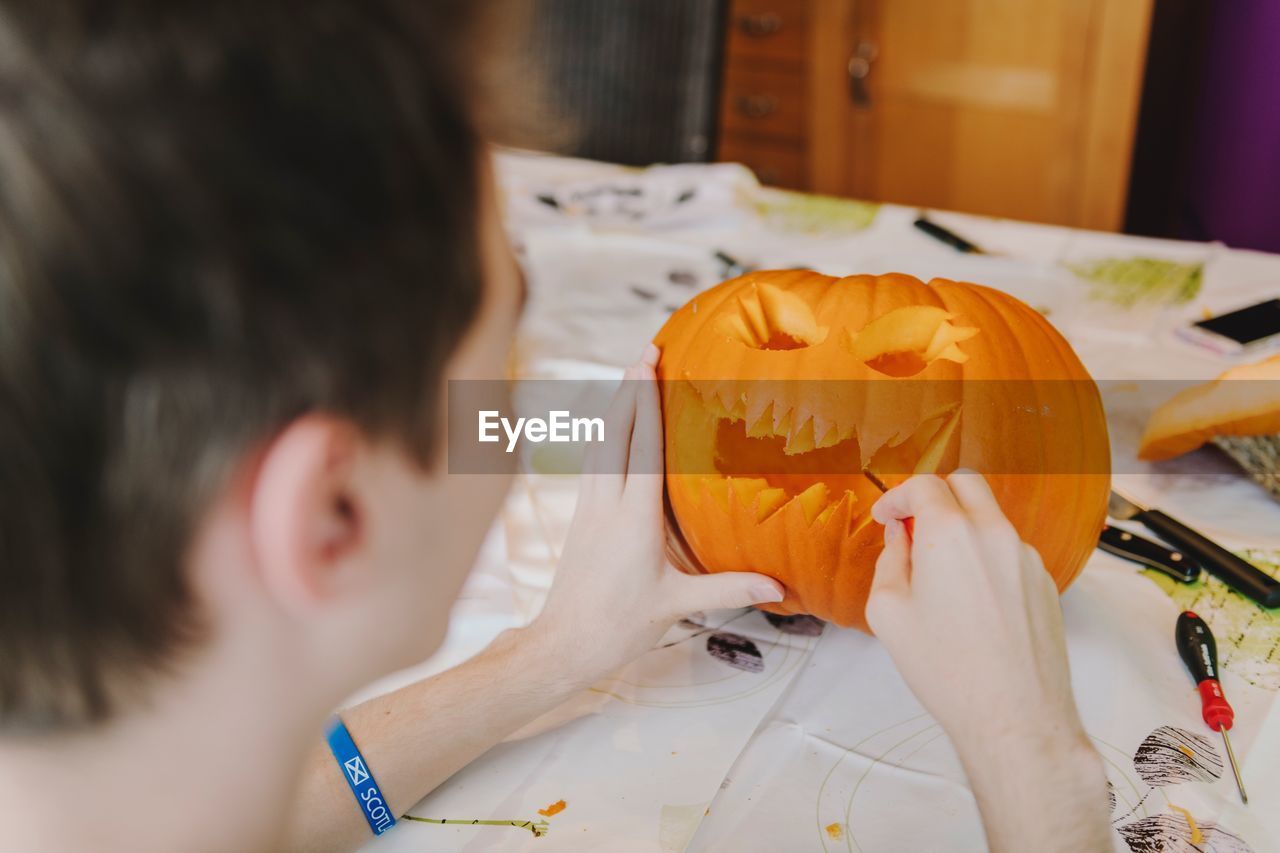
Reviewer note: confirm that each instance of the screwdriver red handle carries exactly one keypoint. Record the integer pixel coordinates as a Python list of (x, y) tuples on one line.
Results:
[(1214, 707), (1199, 652)]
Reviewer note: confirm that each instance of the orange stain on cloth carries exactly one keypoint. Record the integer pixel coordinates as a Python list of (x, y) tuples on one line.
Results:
[(1196, 835), (553, 809)]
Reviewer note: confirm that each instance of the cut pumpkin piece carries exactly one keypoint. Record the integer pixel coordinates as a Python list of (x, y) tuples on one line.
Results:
[(825, 515), (944, 343), (802, 441), (905, 341), (1239, 412), (763, 427), (790, 316), (718, 488), (783, 427), (771, 318), (752, 310), (769, 502), (734, 326), (832, 436), (813, 500), (1244, 401), (746, 488), (931, 459), (920, 452)]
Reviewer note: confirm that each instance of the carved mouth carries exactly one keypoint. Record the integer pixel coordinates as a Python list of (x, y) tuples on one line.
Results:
[(766, 465)]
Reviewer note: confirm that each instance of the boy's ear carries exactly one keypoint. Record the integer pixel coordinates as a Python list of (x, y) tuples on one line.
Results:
[(306, 523)]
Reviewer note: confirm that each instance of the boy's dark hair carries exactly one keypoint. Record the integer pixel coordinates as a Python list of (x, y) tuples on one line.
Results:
[(214, 217)]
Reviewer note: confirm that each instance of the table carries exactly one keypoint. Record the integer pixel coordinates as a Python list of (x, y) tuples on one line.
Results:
[(810, 740)]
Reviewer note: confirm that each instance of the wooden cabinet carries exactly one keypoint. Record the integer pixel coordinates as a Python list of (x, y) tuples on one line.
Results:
[(1017, 108), (763, 102)]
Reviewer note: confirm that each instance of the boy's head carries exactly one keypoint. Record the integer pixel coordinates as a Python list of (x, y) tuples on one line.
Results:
[(241, 247)]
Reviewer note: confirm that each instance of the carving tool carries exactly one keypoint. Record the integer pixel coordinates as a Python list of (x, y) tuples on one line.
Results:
[(1148, 553), (1199, 652), (908, 523), (1241, 576)]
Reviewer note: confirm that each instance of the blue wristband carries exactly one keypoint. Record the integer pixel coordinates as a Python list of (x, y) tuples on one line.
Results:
[(359, 779)]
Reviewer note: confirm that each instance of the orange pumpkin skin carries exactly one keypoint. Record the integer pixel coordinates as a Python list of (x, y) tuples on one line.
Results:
[(859, 346)]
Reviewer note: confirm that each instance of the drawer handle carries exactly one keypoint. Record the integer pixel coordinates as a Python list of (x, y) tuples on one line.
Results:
[(759, 26), (757, 106)]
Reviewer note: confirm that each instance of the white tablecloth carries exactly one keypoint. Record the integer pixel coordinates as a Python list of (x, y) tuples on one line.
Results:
[(741, 734)]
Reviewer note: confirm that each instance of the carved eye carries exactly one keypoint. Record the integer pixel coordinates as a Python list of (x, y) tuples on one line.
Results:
[(770, 318), (905, 341)]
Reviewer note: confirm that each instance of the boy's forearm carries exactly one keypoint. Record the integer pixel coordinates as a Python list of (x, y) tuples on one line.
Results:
[(1045, 791), (415, 738)]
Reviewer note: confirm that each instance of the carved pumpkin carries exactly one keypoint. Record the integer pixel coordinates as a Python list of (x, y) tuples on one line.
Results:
[(781, 388), (1239, 412)]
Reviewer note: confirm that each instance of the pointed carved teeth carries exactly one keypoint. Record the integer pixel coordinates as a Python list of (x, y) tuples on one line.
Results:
[(756, 496), (801, 440)]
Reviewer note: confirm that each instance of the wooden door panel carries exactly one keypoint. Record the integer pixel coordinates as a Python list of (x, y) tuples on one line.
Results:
[(1017, 108), (981, 97)]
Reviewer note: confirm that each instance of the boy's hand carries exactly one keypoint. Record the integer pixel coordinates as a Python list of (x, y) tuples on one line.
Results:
[(967, 610), (972, 621), (615, 594)]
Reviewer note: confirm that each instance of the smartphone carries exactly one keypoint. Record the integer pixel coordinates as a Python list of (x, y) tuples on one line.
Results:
[(1247, 329)]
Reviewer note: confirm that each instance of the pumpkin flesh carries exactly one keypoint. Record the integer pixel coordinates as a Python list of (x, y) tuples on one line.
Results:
[(1243, 401)]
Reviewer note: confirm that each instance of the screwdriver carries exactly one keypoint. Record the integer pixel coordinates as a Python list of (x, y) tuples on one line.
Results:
[(908, 523), (1200, 653)]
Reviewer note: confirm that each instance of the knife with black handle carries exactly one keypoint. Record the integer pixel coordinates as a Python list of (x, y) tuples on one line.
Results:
[(1151, 554), (1242, 576)]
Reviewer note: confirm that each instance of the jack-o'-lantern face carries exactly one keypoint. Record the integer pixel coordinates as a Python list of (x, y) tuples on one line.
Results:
[(782, 389)]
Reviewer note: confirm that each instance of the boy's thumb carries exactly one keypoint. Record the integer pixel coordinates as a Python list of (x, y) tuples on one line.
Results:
[(726, 591)]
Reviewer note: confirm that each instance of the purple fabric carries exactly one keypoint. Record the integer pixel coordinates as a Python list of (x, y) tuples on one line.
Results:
[(1235, 180)]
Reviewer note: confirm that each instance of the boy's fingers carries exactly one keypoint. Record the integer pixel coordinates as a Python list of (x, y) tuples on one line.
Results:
[(893, 568), (973, 493), (651, 355), (1034, 567), (644, 467), (922, 497), (606, 461), (723, 591)]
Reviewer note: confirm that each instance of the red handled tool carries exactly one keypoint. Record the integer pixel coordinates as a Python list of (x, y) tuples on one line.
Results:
[(1200, 653)]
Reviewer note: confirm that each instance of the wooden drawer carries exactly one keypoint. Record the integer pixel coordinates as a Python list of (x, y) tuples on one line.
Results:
[(763, 102), (777, 164), (768, 29)]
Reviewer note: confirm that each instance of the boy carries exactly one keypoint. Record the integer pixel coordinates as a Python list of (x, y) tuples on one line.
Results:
[(242, 248)]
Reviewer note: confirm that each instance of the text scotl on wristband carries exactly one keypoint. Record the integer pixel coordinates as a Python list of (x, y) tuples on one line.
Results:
[(359, 779)]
